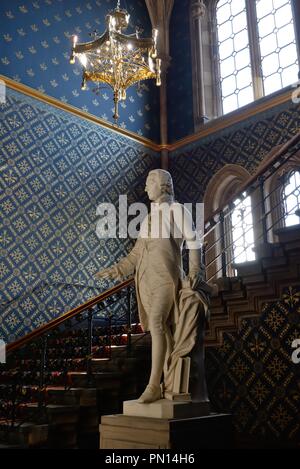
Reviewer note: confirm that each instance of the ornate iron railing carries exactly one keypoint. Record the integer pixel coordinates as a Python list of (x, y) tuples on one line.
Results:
[(66, 345)]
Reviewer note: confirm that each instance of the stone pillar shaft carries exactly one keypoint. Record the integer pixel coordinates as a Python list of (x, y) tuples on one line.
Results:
[(160, 13), (197, 12)]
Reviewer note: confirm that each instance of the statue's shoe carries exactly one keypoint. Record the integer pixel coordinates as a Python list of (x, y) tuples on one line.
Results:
[(152, 393)]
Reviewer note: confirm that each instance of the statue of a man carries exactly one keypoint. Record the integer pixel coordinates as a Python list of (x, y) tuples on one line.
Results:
[(156, 262)]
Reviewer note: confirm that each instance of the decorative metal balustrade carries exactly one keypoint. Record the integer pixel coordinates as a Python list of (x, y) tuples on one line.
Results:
[(67, 345)]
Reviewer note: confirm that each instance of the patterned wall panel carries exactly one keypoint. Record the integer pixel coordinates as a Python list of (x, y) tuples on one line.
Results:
[(55, 170), (245, 144), (35, 44), (180, 88), (253, 377)]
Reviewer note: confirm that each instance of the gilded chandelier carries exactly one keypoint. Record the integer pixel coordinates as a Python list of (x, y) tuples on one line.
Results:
[(117, 59)]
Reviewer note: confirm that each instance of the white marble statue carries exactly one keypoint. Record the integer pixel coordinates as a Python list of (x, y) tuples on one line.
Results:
[(171, 306)]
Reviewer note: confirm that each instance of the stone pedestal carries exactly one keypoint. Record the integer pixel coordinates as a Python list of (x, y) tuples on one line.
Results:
[(212, 431), (166, 409)]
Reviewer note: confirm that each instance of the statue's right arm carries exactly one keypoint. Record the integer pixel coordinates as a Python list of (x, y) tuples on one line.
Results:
[(125, 267)]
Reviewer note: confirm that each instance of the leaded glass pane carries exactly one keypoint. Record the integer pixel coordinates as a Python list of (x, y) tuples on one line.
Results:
[(279, 60), (230, 103), (227, 67), (241, 40), (242, 231), (287, 73), (245, 96), (291, 198), (272, 83), (242, 59), (236, 7), (243, 78), (229, 85)]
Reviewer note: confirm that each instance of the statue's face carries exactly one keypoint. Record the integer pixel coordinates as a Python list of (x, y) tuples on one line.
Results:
[(153, 187)]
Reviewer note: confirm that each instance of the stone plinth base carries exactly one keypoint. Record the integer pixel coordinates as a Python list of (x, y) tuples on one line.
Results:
[(213, 431), (166, 409)]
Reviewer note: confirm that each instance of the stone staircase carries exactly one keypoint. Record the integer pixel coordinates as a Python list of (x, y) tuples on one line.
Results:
[(72, 406), (257, 282), (74, 402)]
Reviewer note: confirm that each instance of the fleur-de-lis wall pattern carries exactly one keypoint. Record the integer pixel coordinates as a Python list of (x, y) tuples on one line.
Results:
[(56, 168), (35, 46)]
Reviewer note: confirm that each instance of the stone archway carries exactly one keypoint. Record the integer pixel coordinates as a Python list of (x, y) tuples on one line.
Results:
[(222, 186)]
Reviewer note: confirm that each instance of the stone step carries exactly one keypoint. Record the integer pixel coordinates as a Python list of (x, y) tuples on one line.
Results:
[(248, 268), (24, 434), (54, 414), (88, 420), (216, 301), (288, 234), (63, 436), (10, 446), (238, 294), (105, 365), (127, 364), (262, 291), (82, 397), (236, 284), (253, 279), (278, 250), (291, 274), (99, 380), (272, 262), (139, 338), (292, 246), (240, 306), (217, 313)]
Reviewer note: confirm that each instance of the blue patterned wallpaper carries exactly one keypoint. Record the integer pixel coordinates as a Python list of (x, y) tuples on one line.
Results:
[(35, 47), (180, 87), (245, 144), (55, 170)]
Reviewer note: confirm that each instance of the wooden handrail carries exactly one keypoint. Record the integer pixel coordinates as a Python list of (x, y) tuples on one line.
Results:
[(68, 315), (283, 149)]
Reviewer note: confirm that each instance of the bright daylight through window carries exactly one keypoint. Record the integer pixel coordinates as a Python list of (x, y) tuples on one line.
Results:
[(269, 37)]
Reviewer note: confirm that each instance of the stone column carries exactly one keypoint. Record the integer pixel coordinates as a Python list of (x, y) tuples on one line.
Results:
[(160, 13), (296, 11), (197, 12), (164, 112)]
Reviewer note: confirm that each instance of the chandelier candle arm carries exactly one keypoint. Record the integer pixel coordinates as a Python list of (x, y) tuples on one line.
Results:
[(117, 59)]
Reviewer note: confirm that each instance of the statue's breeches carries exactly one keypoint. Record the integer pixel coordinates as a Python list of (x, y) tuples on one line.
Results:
[(157, 277), (161, 307)]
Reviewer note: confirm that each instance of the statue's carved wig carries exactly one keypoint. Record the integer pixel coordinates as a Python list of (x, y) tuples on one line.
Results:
[(165, 180)]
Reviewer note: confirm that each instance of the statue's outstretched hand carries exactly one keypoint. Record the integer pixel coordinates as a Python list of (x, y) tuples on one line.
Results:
[(110, 272)]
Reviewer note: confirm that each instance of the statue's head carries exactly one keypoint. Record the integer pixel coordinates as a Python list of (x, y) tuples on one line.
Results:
[(159, 182)]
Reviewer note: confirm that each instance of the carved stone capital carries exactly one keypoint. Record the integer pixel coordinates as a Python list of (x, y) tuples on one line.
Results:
[(198, 9)]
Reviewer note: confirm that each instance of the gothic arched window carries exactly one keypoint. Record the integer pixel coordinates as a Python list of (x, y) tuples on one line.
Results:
[(239, 225), (257, 51)]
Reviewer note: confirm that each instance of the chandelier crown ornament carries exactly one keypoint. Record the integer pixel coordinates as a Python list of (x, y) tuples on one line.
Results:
[(117, 59)]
